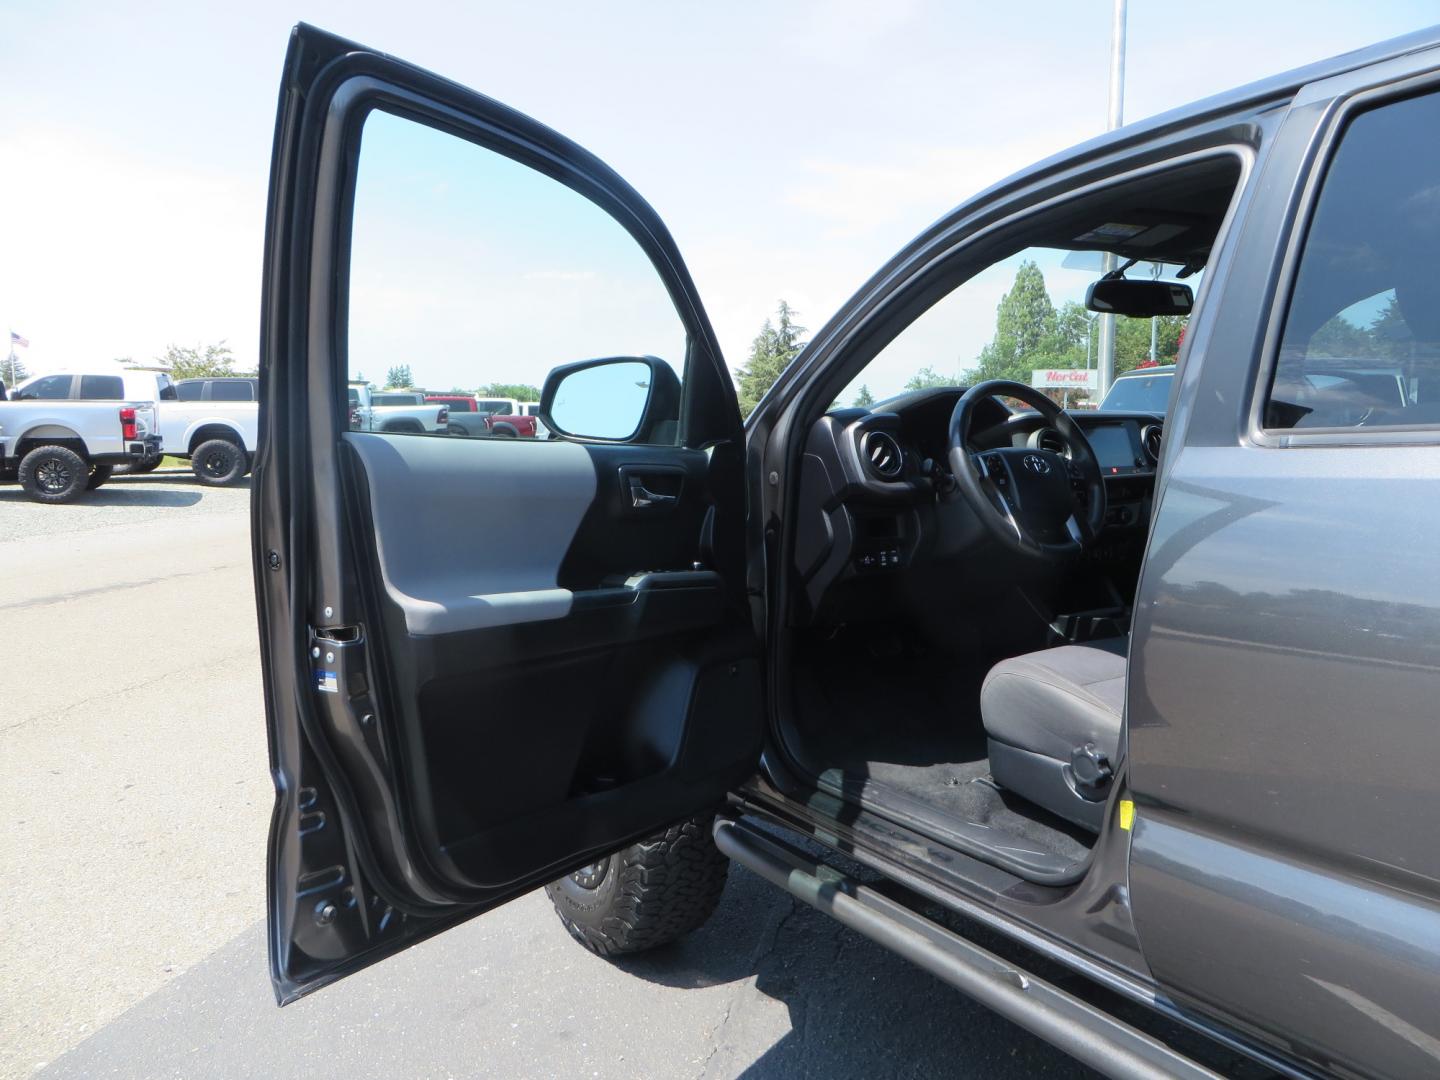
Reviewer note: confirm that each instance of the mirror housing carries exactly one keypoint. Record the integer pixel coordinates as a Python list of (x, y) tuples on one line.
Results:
[(1139, 299), (598, 395)]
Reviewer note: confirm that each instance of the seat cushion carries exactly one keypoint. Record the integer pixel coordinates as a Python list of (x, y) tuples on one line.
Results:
[(1055, 700)]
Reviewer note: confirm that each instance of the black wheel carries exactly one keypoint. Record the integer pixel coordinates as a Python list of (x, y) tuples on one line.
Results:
[(53, 474), (645, 895), (504, 430), (456, 429), (218, 462), (144, 465), (98, 475)]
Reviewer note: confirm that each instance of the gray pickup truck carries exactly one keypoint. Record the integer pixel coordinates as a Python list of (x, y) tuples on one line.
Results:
[(1143, 700)]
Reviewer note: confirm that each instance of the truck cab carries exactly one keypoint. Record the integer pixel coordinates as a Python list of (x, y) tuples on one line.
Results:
[(1145, 699)]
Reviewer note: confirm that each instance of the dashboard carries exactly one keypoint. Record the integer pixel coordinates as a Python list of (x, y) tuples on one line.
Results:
[(877, 498)]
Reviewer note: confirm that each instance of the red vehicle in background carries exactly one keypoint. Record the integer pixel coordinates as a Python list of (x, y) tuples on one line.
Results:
[(502, 417)]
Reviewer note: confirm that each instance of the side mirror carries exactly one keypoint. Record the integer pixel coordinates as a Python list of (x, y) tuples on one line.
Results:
[(1139, 299), (615, 399)]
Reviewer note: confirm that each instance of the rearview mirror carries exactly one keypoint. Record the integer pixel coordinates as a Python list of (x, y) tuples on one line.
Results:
[(1138, 298), (614, 399)]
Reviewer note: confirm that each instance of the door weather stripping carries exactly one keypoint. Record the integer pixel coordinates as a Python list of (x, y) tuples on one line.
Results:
[(1081, 1030)]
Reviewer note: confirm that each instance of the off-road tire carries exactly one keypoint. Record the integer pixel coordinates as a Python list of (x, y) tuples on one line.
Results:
[(98, 475), (218, 462), (53, 474), (144, 465), (646, 895)]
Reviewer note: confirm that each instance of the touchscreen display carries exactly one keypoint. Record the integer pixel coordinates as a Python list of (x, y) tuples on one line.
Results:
[(1112, 446)]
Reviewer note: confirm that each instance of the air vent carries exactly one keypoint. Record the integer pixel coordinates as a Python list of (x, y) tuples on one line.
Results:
[(1150, 438), (1050, 439), (882, 453)]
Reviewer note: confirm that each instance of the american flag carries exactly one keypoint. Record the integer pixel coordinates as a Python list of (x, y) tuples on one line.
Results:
[(16, 339)]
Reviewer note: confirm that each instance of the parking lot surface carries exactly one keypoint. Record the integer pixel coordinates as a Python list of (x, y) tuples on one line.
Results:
[(135, 796)]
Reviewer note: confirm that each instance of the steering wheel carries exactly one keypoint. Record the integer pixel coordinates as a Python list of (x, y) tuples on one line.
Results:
[(1037, 502)]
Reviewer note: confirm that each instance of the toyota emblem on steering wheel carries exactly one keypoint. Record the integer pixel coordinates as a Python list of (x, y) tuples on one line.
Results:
[(1036, 464)]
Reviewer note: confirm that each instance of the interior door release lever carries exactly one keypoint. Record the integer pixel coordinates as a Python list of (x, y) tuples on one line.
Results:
[(642, 498)]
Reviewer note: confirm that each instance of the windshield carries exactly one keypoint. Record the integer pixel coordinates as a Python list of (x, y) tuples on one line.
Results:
[(1139, 393)]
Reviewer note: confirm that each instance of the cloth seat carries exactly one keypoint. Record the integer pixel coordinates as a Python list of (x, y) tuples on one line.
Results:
[(1053, 721)]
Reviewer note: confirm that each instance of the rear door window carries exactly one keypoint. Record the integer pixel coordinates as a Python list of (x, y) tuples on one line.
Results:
[(102, 388), (1361, 342), (223, 390), (189, 391)]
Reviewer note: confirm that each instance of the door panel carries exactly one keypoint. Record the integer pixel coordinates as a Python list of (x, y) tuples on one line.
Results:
[(488, 660), (1285, 662)]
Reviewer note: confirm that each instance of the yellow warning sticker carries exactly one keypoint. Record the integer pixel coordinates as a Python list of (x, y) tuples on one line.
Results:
[(1127, 814)]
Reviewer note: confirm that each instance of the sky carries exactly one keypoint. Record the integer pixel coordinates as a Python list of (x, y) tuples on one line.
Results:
[(791, 148)]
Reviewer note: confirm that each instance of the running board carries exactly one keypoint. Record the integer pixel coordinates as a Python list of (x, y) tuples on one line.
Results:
[(1084, 1032)]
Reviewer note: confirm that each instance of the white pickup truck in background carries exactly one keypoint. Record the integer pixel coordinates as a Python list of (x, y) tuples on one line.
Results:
[(396, 411), (213, 421), (58, 449)]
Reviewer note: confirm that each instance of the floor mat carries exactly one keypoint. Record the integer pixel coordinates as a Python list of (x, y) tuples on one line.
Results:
[(901, 731)]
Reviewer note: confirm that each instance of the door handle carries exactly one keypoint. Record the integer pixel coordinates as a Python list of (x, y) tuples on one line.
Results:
[(642, 498)]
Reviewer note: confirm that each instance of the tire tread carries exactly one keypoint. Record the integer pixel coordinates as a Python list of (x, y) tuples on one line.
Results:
[(668, 885)]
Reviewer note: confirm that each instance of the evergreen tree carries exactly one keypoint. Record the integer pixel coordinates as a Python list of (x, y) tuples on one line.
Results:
[(864, 399), (770, 354), (12, 370), (1028, 332), (399, 377)]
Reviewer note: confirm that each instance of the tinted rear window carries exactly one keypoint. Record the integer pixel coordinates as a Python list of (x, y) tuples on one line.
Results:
[(231, 391), (1139, 393), (189, 391), (102, 388)]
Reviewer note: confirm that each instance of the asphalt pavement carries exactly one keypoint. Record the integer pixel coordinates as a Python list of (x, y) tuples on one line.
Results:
[(135, 796)]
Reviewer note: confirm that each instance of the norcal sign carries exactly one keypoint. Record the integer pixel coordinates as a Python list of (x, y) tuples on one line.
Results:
[(1065, 379)]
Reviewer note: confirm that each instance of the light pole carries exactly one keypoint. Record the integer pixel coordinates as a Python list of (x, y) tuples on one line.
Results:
[(1114, 119)]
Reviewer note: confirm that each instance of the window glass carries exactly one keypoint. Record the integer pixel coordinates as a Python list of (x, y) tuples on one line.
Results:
[(190, 390), (1139, 393), (102, 388), (48, 388), (1018, 319), (224, 390), (1361, 343), (467, 267)]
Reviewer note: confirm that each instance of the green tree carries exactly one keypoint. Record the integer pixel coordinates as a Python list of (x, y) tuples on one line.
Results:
[(927, 377), (1390, 334), (399, 377), (770, 354), (12, 370), (1132, 340), (1029, 333), (197, 362), (518, 391), (864, 399)]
